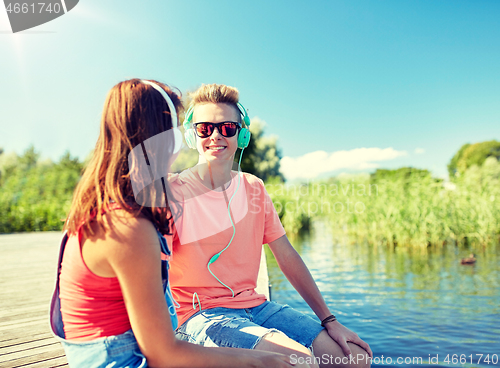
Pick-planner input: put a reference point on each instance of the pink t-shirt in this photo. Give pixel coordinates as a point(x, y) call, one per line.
point(204, 229)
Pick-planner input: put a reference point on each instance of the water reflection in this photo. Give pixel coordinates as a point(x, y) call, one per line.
point(404, 303)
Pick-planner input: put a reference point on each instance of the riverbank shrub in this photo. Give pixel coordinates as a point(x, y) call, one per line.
point(36, 195)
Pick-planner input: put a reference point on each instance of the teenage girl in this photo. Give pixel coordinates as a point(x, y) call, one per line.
point(112, 306)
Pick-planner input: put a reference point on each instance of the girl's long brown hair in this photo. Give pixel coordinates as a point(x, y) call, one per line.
point(133, 112)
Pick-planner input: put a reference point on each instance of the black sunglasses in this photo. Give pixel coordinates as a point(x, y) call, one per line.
point(226, 128)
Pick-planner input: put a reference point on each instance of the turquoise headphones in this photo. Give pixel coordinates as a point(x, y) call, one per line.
point(243, 135)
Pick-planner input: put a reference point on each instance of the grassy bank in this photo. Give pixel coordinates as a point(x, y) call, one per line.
point(397, 208)
point(411, 209)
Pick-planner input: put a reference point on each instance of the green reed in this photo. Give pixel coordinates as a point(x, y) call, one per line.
point(291, 207)
point(414, 210)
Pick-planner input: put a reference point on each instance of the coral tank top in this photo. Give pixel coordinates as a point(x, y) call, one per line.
point(91, 306)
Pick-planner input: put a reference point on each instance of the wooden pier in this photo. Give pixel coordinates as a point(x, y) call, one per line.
point(27, 275)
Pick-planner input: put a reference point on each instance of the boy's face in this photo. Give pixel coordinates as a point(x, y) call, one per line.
point(216, 146)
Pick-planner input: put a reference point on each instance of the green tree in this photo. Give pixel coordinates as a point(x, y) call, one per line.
point(477, 153)
point(29, 159)
point(8, 162)
point(473, 154)
point(452, 166)
point(36, 196)
point(70, 163)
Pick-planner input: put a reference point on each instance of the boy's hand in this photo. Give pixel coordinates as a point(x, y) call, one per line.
point(342, 335)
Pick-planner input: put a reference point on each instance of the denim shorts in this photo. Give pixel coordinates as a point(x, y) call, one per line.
point(244, 328)
point(112, 351)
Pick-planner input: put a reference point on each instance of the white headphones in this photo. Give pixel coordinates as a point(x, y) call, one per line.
point(148, 167)
point(173, 115)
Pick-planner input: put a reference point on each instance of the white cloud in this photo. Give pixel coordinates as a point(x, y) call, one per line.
point(419, 151)
point(315, 163)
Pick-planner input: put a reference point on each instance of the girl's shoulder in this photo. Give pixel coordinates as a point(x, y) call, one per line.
point(122, 229)
point(123, 236)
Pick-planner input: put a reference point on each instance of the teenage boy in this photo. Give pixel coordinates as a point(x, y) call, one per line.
point(217, 244)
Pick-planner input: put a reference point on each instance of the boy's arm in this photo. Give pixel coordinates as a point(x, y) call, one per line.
point(298, 274)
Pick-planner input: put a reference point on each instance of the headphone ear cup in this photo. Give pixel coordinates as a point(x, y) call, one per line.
point(244, 138)
point(190, 138)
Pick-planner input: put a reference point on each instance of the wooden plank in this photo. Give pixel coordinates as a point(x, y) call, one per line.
point(51, 363)
point(13, 354)
point(7, 305)
point(8, 312)
point(23, 339)
point(34, 357)
point(23, 322)
point(41, 313)
point(27, 275)
point(28, 345)
point(15, 332)
point(29, 294)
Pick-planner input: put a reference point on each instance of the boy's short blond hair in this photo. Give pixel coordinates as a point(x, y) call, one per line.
point(216, 93)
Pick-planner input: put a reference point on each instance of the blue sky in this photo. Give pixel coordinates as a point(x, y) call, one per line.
point(345, 85)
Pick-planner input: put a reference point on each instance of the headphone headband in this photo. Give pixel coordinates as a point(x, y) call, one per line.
point(171, 107)
point(173, 114)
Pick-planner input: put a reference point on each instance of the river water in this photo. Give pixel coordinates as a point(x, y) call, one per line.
point(415, 309)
